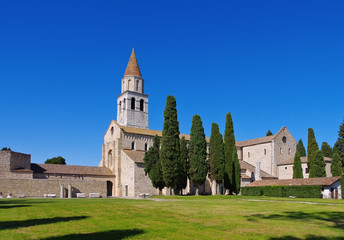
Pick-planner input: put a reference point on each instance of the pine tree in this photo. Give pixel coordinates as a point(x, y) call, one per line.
point(297, 168)
point(184, 165)
point(229, 145)
point(153, 164)
point(301, 148)
point(170, 145)
point(339, 145)
point(318, 165)
point(236, 172)
point(216, 156)
point(198, 153)
point(269, 133)
point(326, 150)
point(336, 165)
point(311, 147)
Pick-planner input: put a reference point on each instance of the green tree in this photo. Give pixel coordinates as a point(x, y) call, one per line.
point(184, 165)
point(301, 148)
point(311, 147)
point(56, 160)
point(216, 156)
point(326, 150)
point(6, 149)
point(297, 168)
point(339, 145)
point(269, 133)
point(318, 165)
point(236, 172)
point(198, 153)
point(229, 145)
point(170, 144)
point(336, 165)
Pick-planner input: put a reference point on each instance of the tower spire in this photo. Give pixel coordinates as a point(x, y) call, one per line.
point(133, 66)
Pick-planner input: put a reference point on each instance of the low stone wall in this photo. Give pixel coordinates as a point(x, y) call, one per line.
point(39, 187)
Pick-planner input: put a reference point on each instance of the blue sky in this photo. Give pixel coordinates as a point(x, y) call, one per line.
point(269, 63)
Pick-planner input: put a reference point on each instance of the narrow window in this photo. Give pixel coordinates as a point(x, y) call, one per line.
point(289, 151)
point(110, 158)
point(141, 104)
point(248, 154)
point(132, 103)
point(280, 150)
point(129, 84)
point(111, 130)
point(285, 168)
point(126, 190)
point(137, 85)
point(146, 146)
point(132, 145)
point(264, 151)
point(120, 106)
point(124, 104)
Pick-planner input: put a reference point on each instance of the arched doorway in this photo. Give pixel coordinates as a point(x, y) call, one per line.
point(109, 186)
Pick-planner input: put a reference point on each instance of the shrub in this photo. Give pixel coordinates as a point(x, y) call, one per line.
point(283, 191)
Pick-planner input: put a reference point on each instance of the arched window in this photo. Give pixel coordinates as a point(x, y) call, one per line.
point(137, 85)
point(146, 146)
point(129, 84)
point(110, 158)
point(132, 145)
point(120, 106)
point(124, 104)
point(132, 103)
point(111, 130)
point(142, 102)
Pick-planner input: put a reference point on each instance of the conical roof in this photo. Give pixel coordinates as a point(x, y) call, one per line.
point(133, 66)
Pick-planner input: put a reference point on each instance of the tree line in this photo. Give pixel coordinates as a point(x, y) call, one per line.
point(172, 160)
point(315, 156)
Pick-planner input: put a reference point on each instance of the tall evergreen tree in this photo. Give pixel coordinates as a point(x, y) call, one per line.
point(336, 165)
point(339, 145)
point(198, 153)
point(297, 168)
point(184, 165)
point(318, 165)
point(216, 156)
point(170, 145)
point(326, 150)
point(269, 133)
point(229, 145)
point(311, 147)
point(153, 164)
point(236, 172)
point(301, 148)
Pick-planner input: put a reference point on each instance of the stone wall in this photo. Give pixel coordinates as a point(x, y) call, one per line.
point(127, 177)
point(13, 160)
point(39, 187)
point(259, 153)
point(143, 183)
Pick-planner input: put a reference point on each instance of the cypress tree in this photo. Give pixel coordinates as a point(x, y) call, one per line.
point(269, 133)
point(153, 164)
point(336, 165)
point(170, 145)
point(198, 153)
point(236, 172)
point(297, 168)
point(311, 147)
point(326, 150)
point(339, 145)
point(301, 148)
point(216, 156)
point(184, 165)
point(229, 145)
point(318, 165)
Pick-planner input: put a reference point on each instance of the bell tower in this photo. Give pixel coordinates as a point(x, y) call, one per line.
point(132, 104)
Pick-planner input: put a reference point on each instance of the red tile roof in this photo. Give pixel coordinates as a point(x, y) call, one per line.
point(303, 160)
point(70, 169)
point(324, 181)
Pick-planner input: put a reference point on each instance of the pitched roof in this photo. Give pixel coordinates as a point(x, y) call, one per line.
point(150, 132)
point(324, 181)
point(70, 169)
point(251, 168)
point(303, 160)
point(133, 66)
point(136, 156)
point(258, 140)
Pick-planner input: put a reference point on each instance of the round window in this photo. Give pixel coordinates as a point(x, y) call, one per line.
point(284, 139)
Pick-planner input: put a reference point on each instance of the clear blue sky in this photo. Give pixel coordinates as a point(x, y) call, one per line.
point(269, 63)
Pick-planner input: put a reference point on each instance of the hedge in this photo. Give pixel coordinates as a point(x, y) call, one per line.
point(283, 191)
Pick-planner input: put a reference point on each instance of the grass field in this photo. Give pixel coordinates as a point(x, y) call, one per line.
point(202, 217)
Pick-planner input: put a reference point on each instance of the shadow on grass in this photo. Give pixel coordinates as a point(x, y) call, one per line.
point(14, 206)
point(336, 219)
point(308, 237)
point(34, 222)
point(113, 235)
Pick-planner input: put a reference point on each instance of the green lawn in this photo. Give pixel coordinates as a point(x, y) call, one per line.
point(203, 217)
